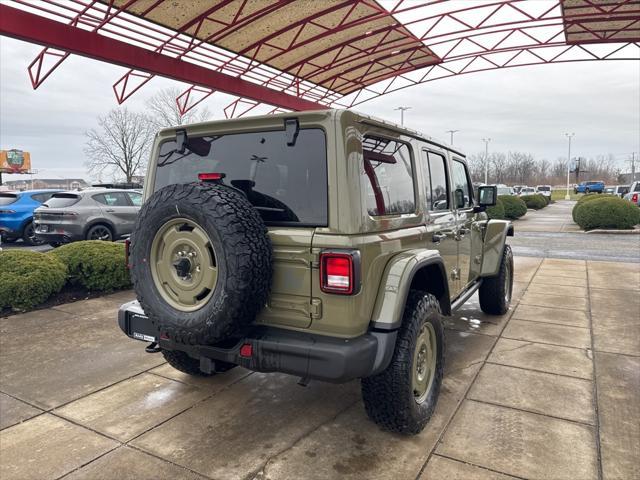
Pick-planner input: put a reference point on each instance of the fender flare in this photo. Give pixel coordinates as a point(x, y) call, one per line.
point(396, 282)
point(495, 236)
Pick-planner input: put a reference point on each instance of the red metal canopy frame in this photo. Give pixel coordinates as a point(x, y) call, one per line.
point(298, 55)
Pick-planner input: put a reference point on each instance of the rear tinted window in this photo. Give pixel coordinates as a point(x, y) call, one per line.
point(286, 184)
point(61, 200)
point(388, 177)
point(7, 198)
point(544, 189)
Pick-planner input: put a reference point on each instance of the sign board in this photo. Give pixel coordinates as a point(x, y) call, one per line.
point(14, 161)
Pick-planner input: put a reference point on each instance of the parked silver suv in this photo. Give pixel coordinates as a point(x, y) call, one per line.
point(93, 214)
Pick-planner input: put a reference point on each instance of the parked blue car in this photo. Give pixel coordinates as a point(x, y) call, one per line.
point(589, 187)
point(16, 214)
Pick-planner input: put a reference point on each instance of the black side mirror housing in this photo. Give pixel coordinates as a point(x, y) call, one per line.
point(487, 196)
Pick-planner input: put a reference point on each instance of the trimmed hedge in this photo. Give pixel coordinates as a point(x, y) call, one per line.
point(514, 207)
point(608, 212)
point(29, 278)
point(588, 197)
point(535, 201)
point(497, 211)
point(94, 264)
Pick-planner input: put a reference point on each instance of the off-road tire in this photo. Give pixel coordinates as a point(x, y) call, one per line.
point(495, 292)
point(388, 396)
point(243, 253)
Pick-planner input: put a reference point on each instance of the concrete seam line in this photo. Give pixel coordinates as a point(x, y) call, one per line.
point(475, 377)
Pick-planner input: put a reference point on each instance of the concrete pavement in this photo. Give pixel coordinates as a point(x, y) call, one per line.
point(551, 233)
point(549, 390)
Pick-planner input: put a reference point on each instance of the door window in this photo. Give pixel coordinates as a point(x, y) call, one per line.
point(461, 183)
point(136, 198)
point(112, 199)
point(437, 188)
point(387, 177)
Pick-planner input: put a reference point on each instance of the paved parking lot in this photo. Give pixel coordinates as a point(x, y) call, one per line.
point(550, 390)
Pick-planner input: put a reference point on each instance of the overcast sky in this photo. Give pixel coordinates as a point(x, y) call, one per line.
point(525, 109)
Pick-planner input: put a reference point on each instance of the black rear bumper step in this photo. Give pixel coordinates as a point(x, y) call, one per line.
point(330, 359)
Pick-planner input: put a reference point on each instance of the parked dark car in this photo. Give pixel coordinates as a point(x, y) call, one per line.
point(16, 214)
point(93, 214)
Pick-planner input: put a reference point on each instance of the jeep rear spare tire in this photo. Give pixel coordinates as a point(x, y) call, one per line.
point(200, 262)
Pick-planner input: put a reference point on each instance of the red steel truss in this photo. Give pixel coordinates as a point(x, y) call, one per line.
point(298, 54)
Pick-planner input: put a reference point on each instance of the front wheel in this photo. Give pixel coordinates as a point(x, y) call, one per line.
point(586, 190)
point(495, 292)
point(403, 397)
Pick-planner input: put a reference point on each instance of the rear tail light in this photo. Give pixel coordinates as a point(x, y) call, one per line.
point(634, 198)
point(339, 272)
point(127, 248)
point(210, 177)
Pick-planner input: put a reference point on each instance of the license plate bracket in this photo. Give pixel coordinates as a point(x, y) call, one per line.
point(140, 327)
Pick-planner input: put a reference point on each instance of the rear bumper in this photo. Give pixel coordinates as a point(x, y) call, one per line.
point(302, 354)
point(59, 233)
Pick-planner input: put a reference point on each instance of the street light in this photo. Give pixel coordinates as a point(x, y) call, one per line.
point(569, 136)
point(402, 109)
point(452, 132)
point(486, 159)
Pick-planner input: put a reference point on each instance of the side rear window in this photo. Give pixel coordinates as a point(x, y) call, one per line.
point(62, 200)
point(136, 198)
point(462, 183)
point(438, 190)
point(7, 198)
point(112, 199)
point(42, 197)
point(387, 176)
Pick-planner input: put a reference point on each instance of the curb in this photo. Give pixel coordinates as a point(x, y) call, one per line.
point(635, 231)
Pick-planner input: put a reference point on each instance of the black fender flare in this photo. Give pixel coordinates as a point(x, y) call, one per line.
point(399, 275)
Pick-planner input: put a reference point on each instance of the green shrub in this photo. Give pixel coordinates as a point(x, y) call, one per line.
point(608, 212)
point(588, 197)
point(536, 201)
point(29, 278)
point(94, 264)
point(514, 207)
point(497, 211)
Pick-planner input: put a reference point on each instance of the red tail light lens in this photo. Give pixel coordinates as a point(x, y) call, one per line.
point(634, 198)
point(338, 273)
point(210, 177)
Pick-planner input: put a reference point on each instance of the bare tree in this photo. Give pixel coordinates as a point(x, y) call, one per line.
point(499, 163)
point(120, 145)
point(163, 110)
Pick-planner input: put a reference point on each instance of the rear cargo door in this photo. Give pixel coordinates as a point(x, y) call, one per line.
point(290, 300)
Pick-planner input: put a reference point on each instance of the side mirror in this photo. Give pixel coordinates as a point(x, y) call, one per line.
point(487, 196)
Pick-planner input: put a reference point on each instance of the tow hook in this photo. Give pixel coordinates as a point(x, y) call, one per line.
point(152, 348)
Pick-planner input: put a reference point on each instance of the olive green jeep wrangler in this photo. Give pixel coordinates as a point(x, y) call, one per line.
point(327, 245)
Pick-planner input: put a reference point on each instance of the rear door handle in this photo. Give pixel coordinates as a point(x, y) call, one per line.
point(109, 210)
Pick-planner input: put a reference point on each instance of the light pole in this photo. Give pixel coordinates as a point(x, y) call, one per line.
point(452, 132)
point(402, 109)
point(569, 136)
point(486, 159)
